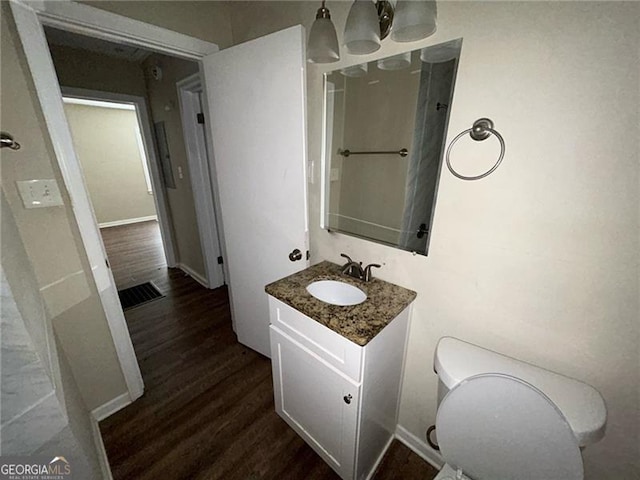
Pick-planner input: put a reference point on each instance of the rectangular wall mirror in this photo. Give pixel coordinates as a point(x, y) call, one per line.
point(385, 128)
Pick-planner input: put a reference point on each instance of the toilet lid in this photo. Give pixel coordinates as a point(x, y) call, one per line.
point(498, 427)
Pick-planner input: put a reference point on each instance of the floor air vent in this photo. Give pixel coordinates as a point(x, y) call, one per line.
point(138, 295)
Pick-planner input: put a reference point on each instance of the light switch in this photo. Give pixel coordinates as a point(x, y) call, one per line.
point(39, 193)
point(335, 174)
point(180, 175)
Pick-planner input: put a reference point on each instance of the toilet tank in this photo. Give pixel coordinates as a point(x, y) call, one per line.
point(581, 404)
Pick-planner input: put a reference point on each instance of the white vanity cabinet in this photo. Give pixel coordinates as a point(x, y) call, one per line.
point(342, 398)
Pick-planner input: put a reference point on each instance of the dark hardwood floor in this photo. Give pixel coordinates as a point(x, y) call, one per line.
point(135, 253)
point(207, 411)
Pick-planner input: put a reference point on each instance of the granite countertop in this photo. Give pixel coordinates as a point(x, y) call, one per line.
point(358, 323)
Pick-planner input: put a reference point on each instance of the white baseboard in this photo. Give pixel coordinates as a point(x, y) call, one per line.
point(193, 274)
point(419, 447)
point(102, 453)
point(128, 221)
point(379, 460)
point(111, 407)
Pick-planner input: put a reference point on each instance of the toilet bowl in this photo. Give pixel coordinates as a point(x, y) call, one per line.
point(502, 419)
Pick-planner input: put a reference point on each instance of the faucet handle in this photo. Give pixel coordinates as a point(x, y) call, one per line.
point(367, 271)
point(347, 257)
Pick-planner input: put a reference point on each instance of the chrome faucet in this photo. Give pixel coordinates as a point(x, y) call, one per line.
point(367, 271)
point(355, 270)
point(351, 268)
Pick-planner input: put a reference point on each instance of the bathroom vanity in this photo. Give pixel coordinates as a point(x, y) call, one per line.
point(337, 370)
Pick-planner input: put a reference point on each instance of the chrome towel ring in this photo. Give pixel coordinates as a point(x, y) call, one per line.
point(6, 140)
point(481, 130)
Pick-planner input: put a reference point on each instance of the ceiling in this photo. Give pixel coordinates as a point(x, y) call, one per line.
point(82, 42)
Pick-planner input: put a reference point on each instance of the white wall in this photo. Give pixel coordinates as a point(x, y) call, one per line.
point(540, 260)
point(107, 141)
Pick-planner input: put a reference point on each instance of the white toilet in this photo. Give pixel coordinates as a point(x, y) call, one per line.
point(502, 419)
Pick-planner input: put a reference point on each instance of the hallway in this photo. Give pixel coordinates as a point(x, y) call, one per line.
point(207, 411)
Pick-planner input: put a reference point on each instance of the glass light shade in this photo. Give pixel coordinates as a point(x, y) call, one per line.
point(396, 62)
point(355, 70)
point(362, 31)
point(414, 20)
point(440, 53)
point(323, 42)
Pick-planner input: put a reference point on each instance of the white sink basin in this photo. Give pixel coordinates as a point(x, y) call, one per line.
point(336, 293)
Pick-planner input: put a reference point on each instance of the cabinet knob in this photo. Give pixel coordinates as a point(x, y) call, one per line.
point(295, 255)
point(347, 399)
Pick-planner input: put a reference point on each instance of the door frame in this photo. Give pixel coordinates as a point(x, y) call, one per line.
point(195, 140)
point(30, 17)
point(159, 190)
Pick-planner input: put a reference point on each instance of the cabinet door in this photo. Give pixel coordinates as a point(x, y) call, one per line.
point(317, 401)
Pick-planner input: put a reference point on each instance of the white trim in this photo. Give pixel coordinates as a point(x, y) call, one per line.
point(149, 157)
point(328, 108)
point(189, 90)
point(103, 459)
point(88, 96)
point(193, 274)
point(213, 178)
point(128, 221)
point(87, 20)
point(380, 458)
point(419, 447)
point(95, 103)
point(142, 151)
point(112, 406)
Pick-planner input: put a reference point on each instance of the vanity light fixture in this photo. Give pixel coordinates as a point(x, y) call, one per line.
point(440, 53)
point(323, 40)
point(368, 23)
point(414, 20)
point(355, 71)
point(395, 62)
point(362, 31)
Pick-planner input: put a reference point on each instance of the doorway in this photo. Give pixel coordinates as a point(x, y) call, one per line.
point(109, 142)
point(263, 221)
point(30, 21)
point(190, 91)
point(157, 184)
